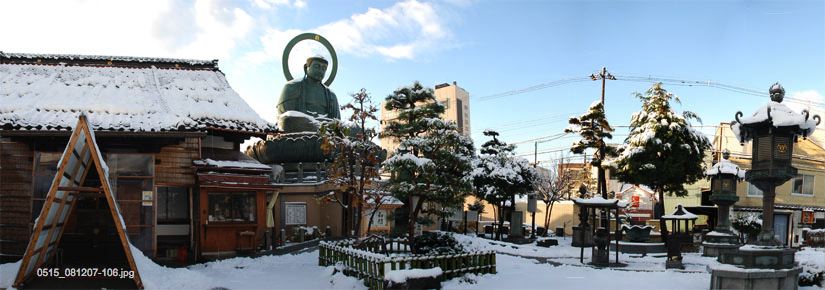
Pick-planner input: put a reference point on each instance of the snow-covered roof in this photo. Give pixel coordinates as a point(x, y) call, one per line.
point(76, 57)
point(680, 214)
point(48, 92)
point(725, 166)
point(599, 201)
point(247, 164)
point(386, 200)
point(778, 115)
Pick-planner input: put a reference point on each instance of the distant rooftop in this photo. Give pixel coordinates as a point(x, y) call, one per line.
point(105, 60)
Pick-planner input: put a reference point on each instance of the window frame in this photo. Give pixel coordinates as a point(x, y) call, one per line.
point(158, 191)
point(803, 177)
point(233, 194)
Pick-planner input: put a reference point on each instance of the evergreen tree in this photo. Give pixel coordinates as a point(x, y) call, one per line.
point(593, 128)
point(433, 161)
point(357, 159)
point(499, 175)
point(662, 151)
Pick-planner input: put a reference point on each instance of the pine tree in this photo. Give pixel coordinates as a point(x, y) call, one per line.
point(357, 159)
point(499, 175)
point(662, 151)
point(433, 161)
point(593, 128)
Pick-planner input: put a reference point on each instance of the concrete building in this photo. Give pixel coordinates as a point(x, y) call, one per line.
point(456, 101)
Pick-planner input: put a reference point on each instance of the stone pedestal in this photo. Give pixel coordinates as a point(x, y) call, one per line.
point(289, 148)
point(732, 277)
point(717, 242)
point(759, 257)
point(756, 267)
point(675, 263)
point(710, 249)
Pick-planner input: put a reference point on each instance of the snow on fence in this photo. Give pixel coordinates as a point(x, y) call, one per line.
point(374, 262)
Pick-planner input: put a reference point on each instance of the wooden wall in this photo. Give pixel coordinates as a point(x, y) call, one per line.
point(16, 161)
point(173, 164)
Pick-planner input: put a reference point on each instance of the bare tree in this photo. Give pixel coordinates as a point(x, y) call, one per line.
point(376, 197)
point(554, 184)
point(357, 159)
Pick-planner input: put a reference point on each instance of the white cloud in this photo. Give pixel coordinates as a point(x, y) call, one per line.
point(269, 4)
point(207, 29)
point(810, 100)
point(402, 31)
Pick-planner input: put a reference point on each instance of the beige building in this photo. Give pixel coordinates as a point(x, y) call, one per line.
point(456, 101)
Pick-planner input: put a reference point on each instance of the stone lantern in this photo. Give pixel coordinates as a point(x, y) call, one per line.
point(723, 176)
point(681, 221)
point(774, 129)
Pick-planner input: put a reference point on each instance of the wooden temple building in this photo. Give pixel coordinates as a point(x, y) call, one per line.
point(170, 132)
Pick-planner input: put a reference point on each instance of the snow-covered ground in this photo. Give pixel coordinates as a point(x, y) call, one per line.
point(556, 267)
point(300, 271)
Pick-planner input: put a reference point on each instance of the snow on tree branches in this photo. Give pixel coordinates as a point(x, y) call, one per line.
point(499, 176)
point(662, 151)
point(593, 128)
point(433, 161)
point(357, 159)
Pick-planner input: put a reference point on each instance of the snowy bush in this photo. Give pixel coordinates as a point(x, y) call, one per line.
point(431, 243)
point(748, 224)
point(812, 262)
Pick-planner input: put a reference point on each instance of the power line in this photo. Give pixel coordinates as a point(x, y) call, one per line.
point(535, 88)
point(650, 78)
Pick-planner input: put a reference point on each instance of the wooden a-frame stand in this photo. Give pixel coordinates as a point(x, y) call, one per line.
point(80, 156)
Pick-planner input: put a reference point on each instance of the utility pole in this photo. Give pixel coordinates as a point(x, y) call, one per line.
point(601, 184)
point(602, 75)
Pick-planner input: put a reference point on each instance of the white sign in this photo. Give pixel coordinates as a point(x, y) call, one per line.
point(295, 213)
point(147, 198)
point(380, 218)
point(472, 215)
point(456, 215)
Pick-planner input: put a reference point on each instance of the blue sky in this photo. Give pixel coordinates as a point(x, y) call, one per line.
point(488, 47)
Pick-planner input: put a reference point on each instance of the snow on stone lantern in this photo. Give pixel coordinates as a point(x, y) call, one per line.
point(681, 221)
point(774, 129)
point(724, 175)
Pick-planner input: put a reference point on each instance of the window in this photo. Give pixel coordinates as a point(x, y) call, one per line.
point(753, 190)
point(44, 170)
point(173, 205)
point(803, 185)
point(232, 207)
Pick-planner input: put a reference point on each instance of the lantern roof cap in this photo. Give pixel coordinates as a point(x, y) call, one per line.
point(680, 214)
point(777, 115)
point(724, 166)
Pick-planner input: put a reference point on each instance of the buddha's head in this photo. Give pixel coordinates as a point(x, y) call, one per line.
point(315, 68)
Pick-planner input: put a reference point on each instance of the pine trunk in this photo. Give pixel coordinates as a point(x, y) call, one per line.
point(661, 211)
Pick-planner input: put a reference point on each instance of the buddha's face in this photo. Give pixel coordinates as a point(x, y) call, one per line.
point(316, 70)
